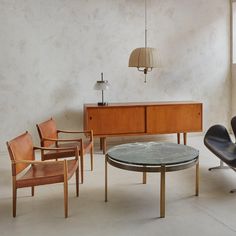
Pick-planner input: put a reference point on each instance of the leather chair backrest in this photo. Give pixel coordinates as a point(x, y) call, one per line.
point(20, 148)
point(233, 124)
point(47, 129)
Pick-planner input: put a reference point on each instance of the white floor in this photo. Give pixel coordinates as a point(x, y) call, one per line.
point(132, 209)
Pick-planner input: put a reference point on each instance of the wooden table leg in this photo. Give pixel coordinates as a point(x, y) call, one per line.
point(185, 138)
point(178, 138)
point(197, 179)
point(162, 194)
point(105, 178)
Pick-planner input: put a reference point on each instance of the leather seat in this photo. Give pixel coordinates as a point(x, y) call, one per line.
point(48, 173)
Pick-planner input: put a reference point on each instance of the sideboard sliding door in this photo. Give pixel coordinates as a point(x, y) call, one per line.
point(174, 118)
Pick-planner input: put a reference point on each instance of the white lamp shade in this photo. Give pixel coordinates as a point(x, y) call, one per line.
point(102, 85)
point(144, 58)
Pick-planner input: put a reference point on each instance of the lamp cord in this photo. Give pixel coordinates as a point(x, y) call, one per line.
point(145, 15)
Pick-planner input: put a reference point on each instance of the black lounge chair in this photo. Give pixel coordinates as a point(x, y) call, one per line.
point(218, 141)
point(233, 124)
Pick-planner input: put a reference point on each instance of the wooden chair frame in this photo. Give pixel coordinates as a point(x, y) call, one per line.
point(30, 163)
point(88, 133)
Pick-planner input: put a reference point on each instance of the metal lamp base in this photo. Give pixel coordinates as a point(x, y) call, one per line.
point(102, 103)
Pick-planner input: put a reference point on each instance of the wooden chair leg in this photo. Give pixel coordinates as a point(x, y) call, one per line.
point(82, 168)
point(14, 196)
point(32, 191)
point(91, 157)
point(77, 172)
point(65, 189)
point(81, 152)
point(77, 181)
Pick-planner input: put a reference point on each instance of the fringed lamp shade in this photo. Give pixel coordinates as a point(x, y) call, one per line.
point(144, 59)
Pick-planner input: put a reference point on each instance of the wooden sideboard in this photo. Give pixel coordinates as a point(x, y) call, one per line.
point(120, 119)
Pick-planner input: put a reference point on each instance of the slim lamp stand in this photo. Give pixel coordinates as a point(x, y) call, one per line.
point(102, 85)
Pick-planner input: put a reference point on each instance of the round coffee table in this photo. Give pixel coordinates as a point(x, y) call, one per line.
point(153, 157)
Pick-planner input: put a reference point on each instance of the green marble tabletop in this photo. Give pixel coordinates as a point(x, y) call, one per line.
point(152, 153)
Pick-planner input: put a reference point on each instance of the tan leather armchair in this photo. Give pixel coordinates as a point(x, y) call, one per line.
point(49, 137)
point(27, 172)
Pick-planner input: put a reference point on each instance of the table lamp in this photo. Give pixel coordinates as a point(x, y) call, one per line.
point(102, 85)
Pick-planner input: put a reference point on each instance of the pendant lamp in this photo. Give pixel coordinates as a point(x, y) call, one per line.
point(144, 58)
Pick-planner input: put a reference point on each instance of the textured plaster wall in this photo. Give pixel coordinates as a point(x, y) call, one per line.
point(52, 52)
